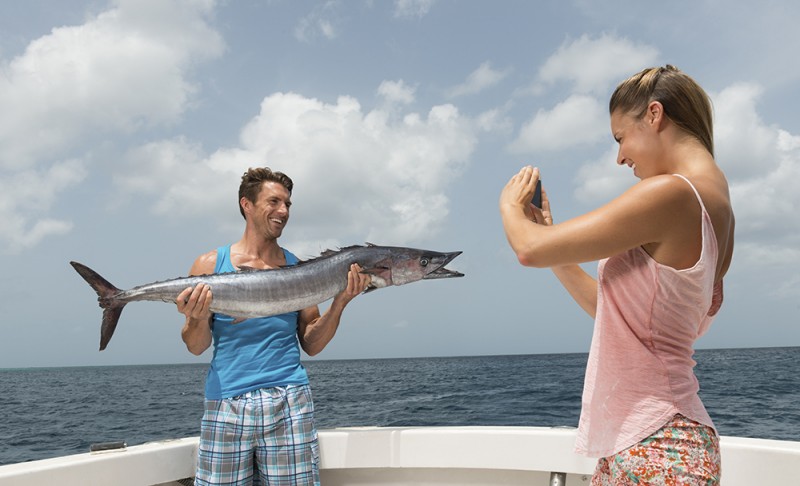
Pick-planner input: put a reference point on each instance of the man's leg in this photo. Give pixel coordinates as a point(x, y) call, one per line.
point(288, 450)
point(225, 455)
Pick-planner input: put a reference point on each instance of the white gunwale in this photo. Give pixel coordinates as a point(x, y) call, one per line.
point(473, 455)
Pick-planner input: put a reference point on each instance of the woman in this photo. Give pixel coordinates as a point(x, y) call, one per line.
point(663, 247)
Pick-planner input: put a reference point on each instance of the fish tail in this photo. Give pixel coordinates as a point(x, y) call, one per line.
point(112, 308)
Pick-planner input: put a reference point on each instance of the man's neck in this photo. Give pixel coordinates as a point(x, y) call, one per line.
point(257, 253)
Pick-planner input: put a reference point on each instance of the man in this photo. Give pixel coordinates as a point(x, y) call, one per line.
point(258, 416)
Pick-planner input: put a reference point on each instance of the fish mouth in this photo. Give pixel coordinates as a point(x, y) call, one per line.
point(442, 272)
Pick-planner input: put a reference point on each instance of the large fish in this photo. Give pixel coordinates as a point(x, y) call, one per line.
point(260, 293)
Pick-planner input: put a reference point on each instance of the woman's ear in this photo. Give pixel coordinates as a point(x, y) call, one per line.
point(655, 114)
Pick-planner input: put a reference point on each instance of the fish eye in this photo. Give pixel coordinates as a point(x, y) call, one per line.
point(423, 261)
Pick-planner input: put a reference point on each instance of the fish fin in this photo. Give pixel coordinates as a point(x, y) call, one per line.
point(329, 253)
point(110, 320)
point(369, 289)
point(379, 275)
point(325, 253)
point(245, 268)
point(103, 287)
point(376, 270)
point(106, 292)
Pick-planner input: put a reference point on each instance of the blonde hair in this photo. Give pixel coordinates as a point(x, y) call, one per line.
point(684, 101)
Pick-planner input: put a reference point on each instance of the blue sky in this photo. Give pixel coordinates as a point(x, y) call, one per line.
point(126, 125)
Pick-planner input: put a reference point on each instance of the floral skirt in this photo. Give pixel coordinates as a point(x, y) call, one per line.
point(682, 453)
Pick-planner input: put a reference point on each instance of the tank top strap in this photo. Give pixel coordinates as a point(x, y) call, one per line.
point(697, 194)
point(223, 264)
point(708, 225)
point(291, 259)
point(709, 238)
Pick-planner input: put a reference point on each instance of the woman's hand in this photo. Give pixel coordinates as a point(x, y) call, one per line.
point(519, 193)
point(543, 216)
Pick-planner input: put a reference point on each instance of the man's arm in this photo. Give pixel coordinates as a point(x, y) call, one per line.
point(315, 331)
point(194, 304)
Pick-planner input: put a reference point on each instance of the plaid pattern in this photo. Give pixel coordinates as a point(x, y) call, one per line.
point(270, 431)
point(682, 453)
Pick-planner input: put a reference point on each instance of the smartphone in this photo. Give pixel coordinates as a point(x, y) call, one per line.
point(537, 195)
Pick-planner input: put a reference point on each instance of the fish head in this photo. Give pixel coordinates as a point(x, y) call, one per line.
point(411, 265)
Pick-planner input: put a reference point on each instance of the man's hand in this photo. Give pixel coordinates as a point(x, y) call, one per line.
point(194, 303)
point(357, 282)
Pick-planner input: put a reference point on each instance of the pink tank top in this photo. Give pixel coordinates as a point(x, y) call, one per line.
point(640, 371)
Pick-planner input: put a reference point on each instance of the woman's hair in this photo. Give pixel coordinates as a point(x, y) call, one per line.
point(684, 101)
point(253, 180)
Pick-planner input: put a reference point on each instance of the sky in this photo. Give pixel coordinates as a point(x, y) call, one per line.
point(125, 127)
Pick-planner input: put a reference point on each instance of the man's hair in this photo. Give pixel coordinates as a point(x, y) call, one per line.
point(684, 101)
point(253, 180)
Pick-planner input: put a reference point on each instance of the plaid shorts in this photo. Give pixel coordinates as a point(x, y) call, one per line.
point(682, 453)
point(268, 431)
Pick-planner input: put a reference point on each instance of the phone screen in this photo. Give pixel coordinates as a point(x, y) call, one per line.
point(537, 195)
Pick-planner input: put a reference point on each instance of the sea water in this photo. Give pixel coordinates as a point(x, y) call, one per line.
point(47, 412)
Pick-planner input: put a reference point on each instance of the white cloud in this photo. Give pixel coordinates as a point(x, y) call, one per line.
point(744, 145)
point(412, 8)
point(396, 92)
point(26, 197)
point(166, 172)
point(480, 79)
point(123, 70)
point(766, 204)
point(495, 120)
point(602, 180)
point(578, 120)
point(762, 163)
point(592, 65)
point(322, 22)
point(358, 176)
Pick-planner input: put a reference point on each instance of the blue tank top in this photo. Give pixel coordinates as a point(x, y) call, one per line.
point(262, 352)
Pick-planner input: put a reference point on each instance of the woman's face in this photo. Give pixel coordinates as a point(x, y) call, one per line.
point(637, 145)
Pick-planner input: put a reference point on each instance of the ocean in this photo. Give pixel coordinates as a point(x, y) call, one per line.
point(47, 412)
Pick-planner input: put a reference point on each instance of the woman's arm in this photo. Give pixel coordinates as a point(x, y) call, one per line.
point(580, 285)
point(654, 211)
point(658, 212)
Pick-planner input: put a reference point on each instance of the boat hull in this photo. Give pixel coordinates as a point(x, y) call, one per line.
point(423, 456)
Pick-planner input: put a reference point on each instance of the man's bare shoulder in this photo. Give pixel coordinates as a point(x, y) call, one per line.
point(204, 264)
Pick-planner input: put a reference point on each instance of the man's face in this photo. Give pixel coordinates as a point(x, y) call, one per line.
point(270, 213)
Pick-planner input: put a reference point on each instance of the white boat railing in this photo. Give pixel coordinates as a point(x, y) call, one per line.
point(407, 455)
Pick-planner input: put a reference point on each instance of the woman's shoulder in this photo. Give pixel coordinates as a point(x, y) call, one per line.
point(712, 188)
point(663, 190)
